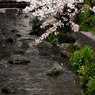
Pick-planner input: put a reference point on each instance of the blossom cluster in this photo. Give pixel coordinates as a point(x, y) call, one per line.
point(48, 9)
point(93, 9)
point(46, 34)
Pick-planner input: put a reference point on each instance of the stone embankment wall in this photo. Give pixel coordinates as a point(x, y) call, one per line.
point(7, 0)
point(85, 38)
point(13, 4)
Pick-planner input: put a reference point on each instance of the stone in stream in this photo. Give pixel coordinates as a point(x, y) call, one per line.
point(11, 39)
point(14, 31)
point(18, 59)
point(56, 69)
point(32, 51)
point(18, 35)
point(10, 90)
point(25, 45)
point(45, 48)
point(19, 51)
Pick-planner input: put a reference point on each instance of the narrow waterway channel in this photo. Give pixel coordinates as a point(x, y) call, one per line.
point(31, 78)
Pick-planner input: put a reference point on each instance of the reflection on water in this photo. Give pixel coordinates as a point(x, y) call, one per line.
point(32, 77)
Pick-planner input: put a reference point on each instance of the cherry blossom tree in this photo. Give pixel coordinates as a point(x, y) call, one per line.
point(48, 9)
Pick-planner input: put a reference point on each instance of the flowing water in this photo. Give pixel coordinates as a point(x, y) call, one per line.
point(32, 78)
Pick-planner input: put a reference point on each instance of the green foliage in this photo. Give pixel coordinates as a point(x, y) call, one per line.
point(52, 39)
point(90, 25)
point(92, 69)
point(93, 19)
point(87, 2)
point(91, 86)
point(86, 14)
point(72, 48)
point(61, 37)
point(83, 57)
point(84, 81)
point(83, 70)
point(86, 28)
point(86, 72)
point(92, 30)
point(82, 23)
point(83, 61)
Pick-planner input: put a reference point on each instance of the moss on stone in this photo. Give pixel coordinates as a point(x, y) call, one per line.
point(56, 69)
point(18, 59)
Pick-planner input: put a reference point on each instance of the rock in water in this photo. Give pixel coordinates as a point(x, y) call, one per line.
point(14, 31)
point(25, 45)
point(18, 59)
point(11, 39)
point(56, 69)
point(32, 51)
point(10, 90)
point(45, 48)
point(18, 35)
point(18, 51)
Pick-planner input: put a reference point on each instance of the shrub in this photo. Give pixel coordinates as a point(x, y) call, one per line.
point(83, 61)
point(91, 86)
point(93, 19)
point(83, 57)
point(87, 28)
point(84, 17)
point(86, 73)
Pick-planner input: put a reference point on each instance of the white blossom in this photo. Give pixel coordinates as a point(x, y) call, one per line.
point(56, 33)
point(93, 9)
point(75, 27)
point(48, 10)
point(81, 1)
point(71, 5)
